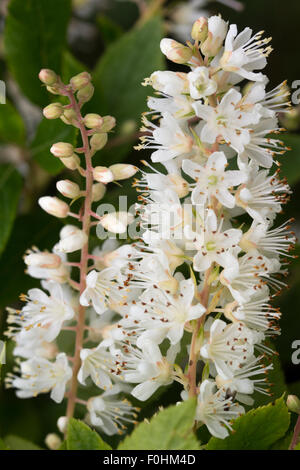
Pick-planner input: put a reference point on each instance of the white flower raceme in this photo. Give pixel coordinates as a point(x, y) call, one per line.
point(216, 410)
point(39, 375)
point(200, 83)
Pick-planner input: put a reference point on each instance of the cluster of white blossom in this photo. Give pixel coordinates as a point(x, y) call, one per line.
point(205, 270)
point(189, 301)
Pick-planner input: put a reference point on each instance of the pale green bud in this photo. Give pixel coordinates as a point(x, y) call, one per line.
point(293, 404)
point(53, 111)
point(122, 171)
point(200, 29)
point(102, 174)
point(86, 93)
point(69, 116)
point(62, 150)
point(80, 81)
point(109, 123)
point(54, 90)
point(71, 162)
point(98, 191)
point(68, 188)
point(48, 77)
point(98, 141)
point(93, 121)
point(53, 441)
point(175, 51)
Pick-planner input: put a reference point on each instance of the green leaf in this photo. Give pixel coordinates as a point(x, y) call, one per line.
point(10, 189)
point(297, 447)
point(170, 429)
point(81, 437)
point(284, 443)
point(290, 162)
point(34, 38)
point(2, 445)
point(118, 76)
point(109, 30)
point(12, 128)
point(256, 430)
point(48, 133)
point(18, 443)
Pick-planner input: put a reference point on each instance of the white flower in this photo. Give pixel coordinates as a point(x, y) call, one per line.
point(246, 380)
point(212, 244)
point(71, 239)
point(39, 375)
point(212, 179)
point(169, 83)
point(227, 120)
point(46, 312)
point(149, 369)
point(109, 413)
point(217, 30)
point(102, 288)
point(97, 364)
point(243, 53)
point(263, 195)
point(169, 139)
point(216, 410)
point(256, 314)
point(165, 315)
point(39, 271)
point(200, 83)
point(227, 346)
point(267, 241)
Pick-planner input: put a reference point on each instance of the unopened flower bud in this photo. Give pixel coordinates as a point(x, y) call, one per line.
point(69, 116)
point(109, 123)
point(293, 404)
point(217, 30)
point(200, 29)
point(98, 141)
point(116, 222)
point(122, 171)
point(102, 174)
point(62, 150)
point(54, 206)
point(48, 77)
point(68, 189)
point(93, 121)
point(62, 424)
point(72, 239)
point(71, 162)
point(175, 51)
point(86, 93)
point(43, 260)
point(55, 90)
point(53, 111)
point(80, 81)
point(98, 191)
point(53, 441)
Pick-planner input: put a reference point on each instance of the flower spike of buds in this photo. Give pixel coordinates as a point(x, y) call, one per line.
point(61, 302)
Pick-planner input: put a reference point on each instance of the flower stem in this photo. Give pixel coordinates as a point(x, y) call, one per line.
point(83, 265)
point(295, 435)
point(193, 360)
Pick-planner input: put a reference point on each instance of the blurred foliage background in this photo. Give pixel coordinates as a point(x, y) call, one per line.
point(118, 42)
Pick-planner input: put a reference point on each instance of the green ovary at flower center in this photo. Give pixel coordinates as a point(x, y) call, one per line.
point(222, 121)
point(210, 246)
point(212, 180)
